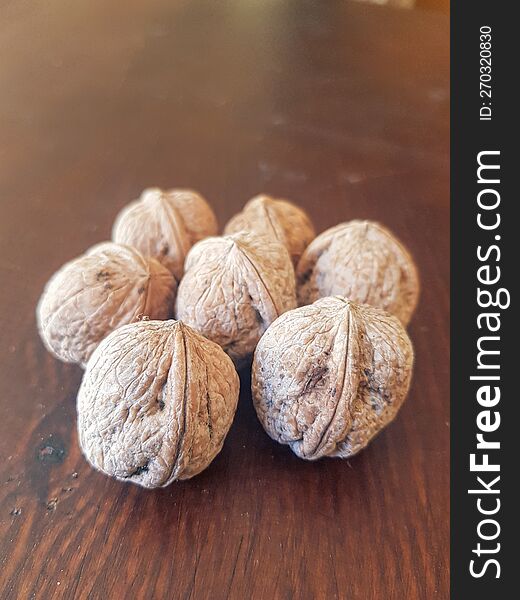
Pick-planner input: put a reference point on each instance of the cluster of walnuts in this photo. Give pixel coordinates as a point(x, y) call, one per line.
point(163, 315)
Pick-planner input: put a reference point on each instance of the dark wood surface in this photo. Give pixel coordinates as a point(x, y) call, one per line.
point(342, 107)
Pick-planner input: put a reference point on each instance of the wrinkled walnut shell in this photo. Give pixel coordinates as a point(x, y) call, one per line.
point(363, 261)
point(288, 223)
point(165, 224)
point(108, 286)
point(234, 287)
point(156, 403)
point(329, 376)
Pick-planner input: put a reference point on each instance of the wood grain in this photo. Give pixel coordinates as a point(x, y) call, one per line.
point(342, 107)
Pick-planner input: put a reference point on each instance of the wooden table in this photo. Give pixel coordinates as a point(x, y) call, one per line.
point(342, 107)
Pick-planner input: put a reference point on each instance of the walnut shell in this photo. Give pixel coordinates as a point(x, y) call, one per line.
point(363, 261)
point(156, 402)
point(165, 224)
point(234, 288)
point(288, 223)
point(329, 376)
point(108, 286)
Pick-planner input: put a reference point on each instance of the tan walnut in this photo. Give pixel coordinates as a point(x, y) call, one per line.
point(234, 287)
point(363, 261)
point(165, 224)
point(156, 402)
point(280, 218)
point(329, 376)
point(108, 286)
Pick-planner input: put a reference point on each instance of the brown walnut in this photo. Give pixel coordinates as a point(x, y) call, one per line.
point(108, 286)
point(156, 402)
point(165, 224)
point(288, 223)
point(363, 261)
point(234, 287)
point(329, 376)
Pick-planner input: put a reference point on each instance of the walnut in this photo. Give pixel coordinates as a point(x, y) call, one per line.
point(165, 224)
point(363, 261)
point(329, 376)
point(156, 402)
point(234, 288)
point(279, 218)
point(110, 285)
